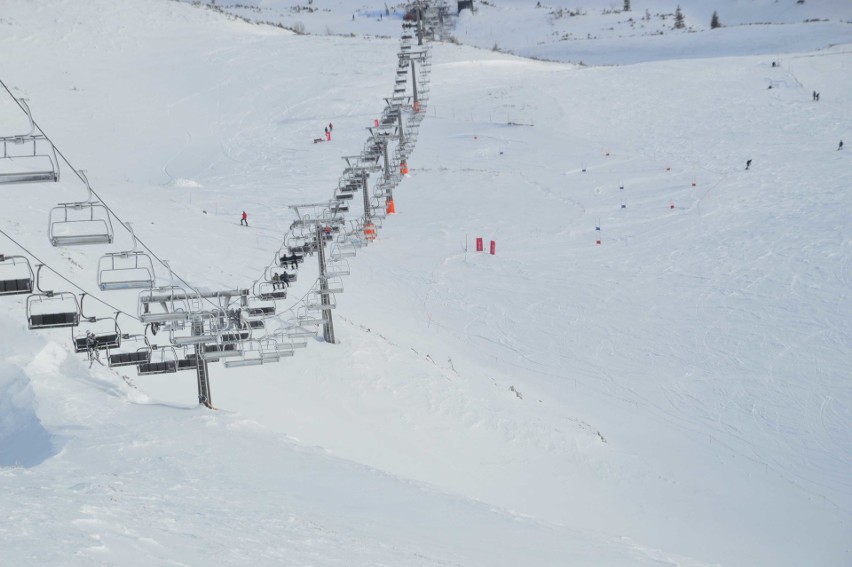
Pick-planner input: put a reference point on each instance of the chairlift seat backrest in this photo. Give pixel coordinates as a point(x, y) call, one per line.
point(130, 358)
point(188, 363)
point(51, 320)
point(260, 311)
point(101, 342)
point(166, 367)
point(15, 287)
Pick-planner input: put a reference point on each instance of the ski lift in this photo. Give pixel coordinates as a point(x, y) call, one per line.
point(334, 284)
point(16, 275)
point(256, 352)
point(337, 268)
point(131, 357)
point(132, 269)
point(242, 333)
point(189, 361)
point(307, 318)
point(83, 222)
point(48, 309)
point(286, 344)
point(257, 306)
point(104, 335)
point(273, 287)
point(315, 302)
point(162, 360)
point(28, 158)
point(296, 331)
point(342, 250)
point(219, 350)
point(166, 304)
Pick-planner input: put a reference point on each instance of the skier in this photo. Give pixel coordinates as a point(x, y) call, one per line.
point(244, 219)
point(840, 145)
point(92, 348)
point(748, 164)
point(330, 126)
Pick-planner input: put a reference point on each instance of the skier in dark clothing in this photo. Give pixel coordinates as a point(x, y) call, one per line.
point(244, 219)
point(840, 145)
point(748, 164)
point(92, 348)
point(330, 126)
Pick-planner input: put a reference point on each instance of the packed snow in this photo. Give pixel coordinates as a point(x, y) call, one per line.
point(652, 369)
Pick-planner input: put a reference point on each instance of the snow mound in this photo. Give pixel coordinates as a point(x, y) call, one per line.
point(185, 183)
point(24, 441)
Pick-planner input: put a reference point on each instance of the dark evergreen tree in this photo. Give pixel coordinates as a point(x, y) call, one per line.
point(714, 21)
point(678, 25)
point(626, 5)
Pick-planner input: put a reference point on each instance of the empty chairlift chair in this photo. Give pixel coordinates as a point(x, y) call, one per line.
point(130, 356)
point(83, 222)
point(136, 357)
point(28, 157)
point(49, 309)
point(320, 300)
point(333, 284)
point(126, 270)
point(164, 305)
point(16, 275)
point(163, 360)
point(256, 352)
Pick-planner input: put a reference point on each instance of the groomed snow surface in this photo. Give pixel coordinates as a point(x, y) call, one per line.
point(676, 395)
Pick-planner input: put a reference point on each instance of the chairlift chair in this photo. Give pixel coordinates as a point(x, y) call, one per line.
point(296, 331)
point(334, 284)
point(166, 304)
point(220, 350)
point(337, 268)
point(271, 286)
point(256, 352)
point(305, 319)
point(287, 344)
point(259, 307)
point(132, 269)
point(100, 333)
point(162, 360)
point(16, 275)
point(342, 250)
point(49, 309)
point(83, 222)
point(141, 355)
point(189, 361)
point(29, 157)
point(314, 301)
point(236, 335)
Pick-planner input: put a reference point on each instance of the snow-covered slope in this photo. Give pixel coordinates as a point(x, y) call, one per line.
point(677, 394)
